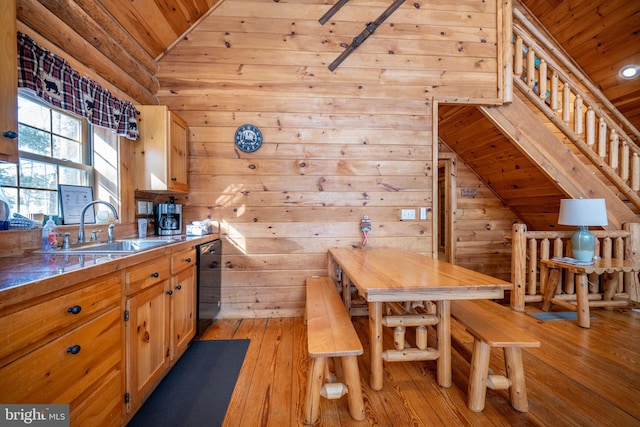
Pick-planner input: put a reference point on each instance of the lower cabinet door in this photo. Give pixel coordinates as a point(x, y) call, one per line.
point(183, 311)
point(148, 341)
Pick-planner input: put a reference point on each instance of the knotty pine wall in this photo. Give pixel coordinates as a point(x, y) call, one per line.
point(482, 223)
point(337, 145)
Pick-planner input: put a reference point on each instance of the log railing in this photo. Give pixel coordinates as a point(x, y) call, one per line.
point(575, 107)
point(529, 247)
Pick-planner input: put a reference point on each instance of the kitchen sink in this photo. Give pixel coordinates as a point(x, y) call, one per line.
point(129, 246)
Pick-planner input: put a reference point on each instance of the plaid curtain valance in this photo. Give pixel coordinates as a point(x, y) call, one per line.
point(55, 81)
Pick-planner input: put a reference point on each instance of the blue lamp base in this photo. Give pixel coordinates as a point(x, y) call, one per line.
point(583, 244)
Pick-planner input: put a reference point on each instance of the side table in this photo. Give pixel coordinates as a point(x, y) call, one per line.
point(582, 303)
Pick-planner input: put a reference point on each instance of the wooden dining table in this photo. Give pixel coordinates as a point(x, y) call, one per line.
point(384, 275)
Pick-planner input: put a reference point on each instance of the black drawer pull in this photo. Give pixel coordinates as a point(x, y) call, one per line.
point(169, 292)
point(11, 134)
point(74, 349)
point(188, 260)
point(74, 310)
point(179, 287)
point(156, 274)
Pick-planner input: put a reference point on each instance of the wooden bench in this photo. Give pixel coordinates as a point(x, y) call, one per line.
point(330, 333)
point(493, 325)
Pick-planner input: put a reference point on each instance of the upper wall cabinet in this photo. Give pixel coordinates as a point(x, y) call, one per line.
point(8, 83)
point(161, 153)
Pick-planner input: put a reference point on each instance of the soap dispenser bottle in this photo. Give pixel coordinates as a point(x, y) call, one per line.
point(49, 235)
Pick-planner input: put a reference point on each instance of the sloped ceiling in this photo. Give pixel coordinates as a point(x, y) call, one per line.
point(156, 25)
point(601, 35)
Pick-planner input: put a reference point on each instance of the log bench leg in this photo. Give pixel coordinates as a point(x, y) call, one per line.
point(515, 373)
point(316, 388)
point(478, 376)
point(352, 379)
point(312, 395)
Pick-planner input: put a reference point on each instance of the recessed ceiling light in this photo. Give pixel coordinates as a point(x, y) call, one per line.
point(629, 71)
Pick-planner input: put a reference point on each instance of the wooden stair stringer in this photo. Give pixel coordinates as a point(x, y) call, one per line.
point(516, 121)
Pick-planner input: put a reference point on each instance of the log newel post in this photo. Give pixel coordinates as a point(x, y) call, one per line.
point(518, 266)
point(632, 252)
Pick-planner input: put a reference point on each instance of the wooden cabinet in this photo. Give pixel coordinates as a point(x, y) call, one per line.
point(147, 336)
point(161, 154)
point(161, 310)
point(8, 83)
point(100, 343)
point(183, 302)
point(67, 349)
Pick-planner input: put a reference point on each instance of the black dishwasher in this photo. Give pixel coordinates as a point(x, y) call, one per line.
point(208, 261)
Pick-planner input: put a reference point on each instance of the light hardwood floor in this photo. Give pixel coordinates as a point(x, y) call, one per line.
point(578, 377)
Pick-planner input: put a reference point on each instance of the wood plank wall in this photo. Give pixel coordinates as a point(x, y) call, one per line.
point(482, 224)
point(337, 145)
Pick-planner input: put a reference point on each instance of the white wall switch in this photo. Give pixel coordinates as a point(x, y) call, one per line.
point(423, 214)
point(407, 214)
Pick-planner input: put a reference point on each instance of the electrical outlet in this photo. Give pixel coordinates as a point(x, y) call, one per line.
point(407, 214)
point(142, 208)
point(423, 214)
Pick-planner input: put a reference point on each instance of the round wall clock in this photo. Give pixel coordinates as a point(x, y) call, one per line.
point(248, 138)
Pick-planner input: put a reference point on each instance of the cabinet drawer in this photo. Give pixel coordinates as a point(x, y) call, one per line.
point(103, 407)
point(147, 274)
point(183, 260)
point(61, 370)
point(31, 327)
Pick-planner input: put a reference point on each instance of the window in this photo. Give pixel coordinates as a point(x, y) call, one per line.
point(57, 147)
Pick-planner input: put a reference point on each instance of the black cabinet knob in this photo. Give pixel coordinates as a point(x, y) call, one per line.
point(74, 310)
point(188, 260)
point(11, 134)
point(169, 292)
point(74, 349)
point(179, 287)
point(156, 274)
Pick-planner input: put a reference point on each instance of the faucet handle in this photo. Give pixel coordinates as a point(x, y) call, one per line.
point(94, 235)
point(111, 233)
point(66, 242)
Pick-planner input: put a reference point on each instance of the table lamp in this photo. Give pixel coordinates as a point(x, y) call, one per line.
point(583, 213)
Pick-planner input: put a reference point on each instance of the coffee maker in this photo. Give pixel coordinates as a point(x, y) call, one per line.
point(168, 218)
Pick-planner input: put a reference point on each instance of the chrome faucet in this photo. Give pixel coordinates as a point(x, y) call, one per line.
point(84, 209)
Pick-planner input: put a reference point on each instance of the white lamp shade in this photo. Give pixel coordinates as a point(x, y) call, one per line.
point(588, 212)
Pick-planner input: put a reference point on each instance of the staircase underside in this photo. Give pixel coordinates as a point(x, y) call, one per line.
point(527, 165)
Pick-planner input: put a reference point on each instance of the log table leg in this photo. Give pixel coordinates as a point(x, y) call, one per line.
point(346, 293)
point(551, 287)
point(610, 287)
point(582, 294)
point(443, 333)
point(375, 337)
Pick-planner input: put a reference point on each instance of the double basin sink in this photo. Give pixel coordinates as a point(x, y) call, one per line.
point(128, 246)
